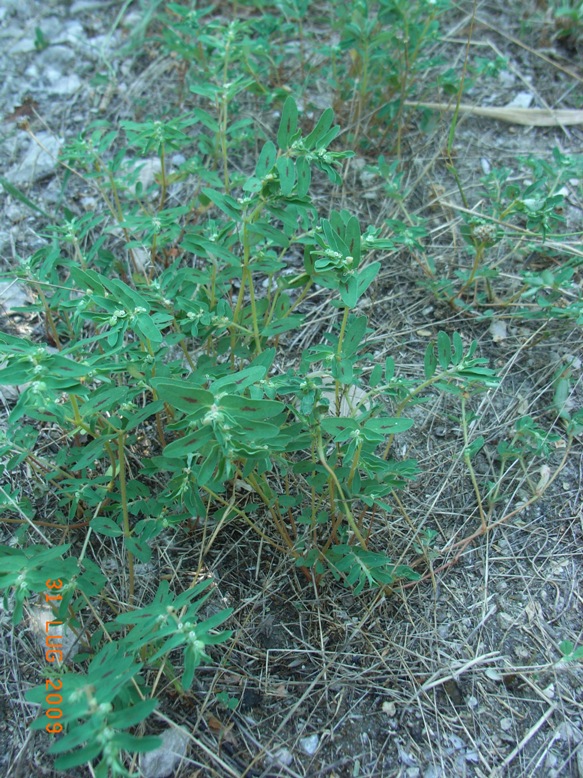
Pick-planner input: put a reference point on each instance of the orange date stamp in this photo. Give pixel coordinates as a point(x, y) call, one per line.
point(53, 653)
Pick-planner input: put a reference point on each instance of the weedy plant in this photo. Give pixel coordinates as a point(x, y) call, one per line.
point(178, 365)
point(165, 392)
point(521, 221)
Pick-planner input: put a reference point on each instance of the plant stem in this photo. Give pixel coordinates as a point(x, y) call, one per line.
point(124, 508)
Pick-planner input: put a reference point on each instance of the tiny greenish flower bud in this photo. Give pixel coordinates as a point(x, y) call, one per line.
point(106, 735)
point(485, 233)
point(213, 415)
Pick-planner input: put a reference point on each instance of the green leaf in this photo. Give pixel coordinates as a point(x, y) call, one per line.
point(146, 326)
point(349, 292)
point(443, 350)
point(129, 717)
point(226, 203)
point(278, 326)
point(353, 240)
point(354, 335)
point(182, 396)
point(139, 549)
point(429, 361)
point(76, 758)
point(323, 125)
point(474, 447)
point(239, 380)
point(304, 174)
point(366, 276)
point(287, 174)
point(458, 348)
point(388, 425)
point(266, 159)
point(376, 376)
point(18, 195)
point(251, 409)
point(106, 526)
point(288, 123)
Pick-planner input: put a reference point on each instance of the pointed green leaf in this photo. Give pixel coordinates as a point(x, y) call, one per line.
point(266, 159)
point(354, 335)
point(304, 174)
point(429, 361)
point(226, 203)
point(288, 123)
point(388, 425)
point(443, 350)
point(366, 276)
point(145, 325)
point(251, 409)
point(353, 239)
point(458, 348)
point(323, 125)
point(287, 174)
point(182, 396)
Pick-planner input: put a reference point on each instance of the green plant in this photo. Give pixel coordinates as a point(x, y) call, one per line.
point(522, 221)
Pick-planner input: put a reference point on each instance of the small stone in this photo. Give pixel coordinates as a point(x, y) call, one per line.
point(406, 758)
point(506, 724)
point(39, 161)
point(505, 620)
point(281, 756)
point(163, 760)
point(12, 295)
point(498, 330)
point(65, 85)
point(412, 772)
point(472, 702)
point(389, 708)
point(551, 760)
point(309, 744)
point(522, 100)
